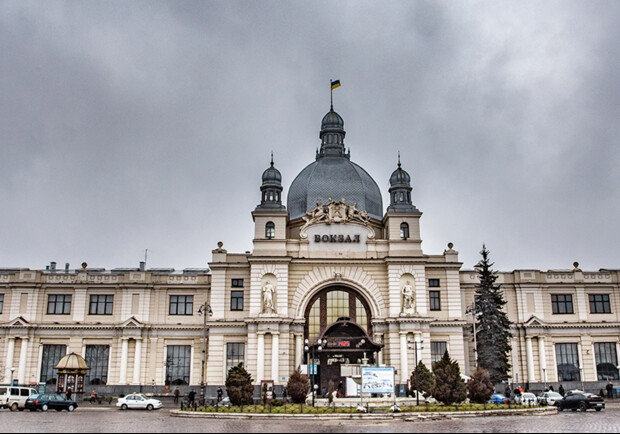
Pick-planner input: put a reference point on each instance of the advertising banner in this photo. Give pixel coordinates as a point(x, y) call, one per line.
point(377, 380)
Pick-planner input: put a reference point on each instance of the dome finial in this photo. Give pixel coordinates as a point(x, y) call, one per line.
point(399, 159)
point(271, 158)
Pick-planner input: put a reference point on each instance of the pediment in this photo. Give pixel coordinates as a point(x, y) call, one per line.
point(20, 321)
point(534, 321)
point(132, 323)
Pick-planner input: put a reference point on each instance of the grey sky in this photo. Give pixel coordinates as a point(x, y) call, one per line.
point(134, 125)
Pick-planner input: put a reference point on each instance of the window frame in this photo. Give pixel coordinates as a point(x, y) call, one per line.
point(595, 303)
point(405, 234)
point(108, 300)
point(233, 358)
point(177, 303)
point(270, 230)
point(235, 304)
point(555, 304)
point(236, 283)
point(1, 303)
point(431, 283)
point(59, 304)
point(434, 296)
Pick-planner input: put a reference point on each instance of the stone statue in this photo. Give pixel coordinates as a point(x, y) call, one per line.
point(268, 293)
point(408, 299)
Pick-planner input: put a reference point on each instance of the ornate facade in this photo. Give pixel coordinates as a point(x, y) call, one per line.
point(330, 267)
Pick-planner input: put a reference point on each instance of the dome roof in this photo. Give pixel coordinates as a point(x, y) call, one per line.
point(400, 177)
point(332, 120)
point(72, 362)
point(335, 178)
point(272, 175)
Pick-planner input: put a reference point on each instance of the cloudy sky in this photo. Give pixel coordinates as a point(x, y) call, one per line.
point(134, 125)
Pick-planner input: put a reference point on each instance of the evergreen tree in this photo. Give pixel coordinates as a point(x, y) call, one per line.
point(492, 323)
point(422, 380)
point(239, 386)
point(298, 387)
point(480, 387)
point(449, 386)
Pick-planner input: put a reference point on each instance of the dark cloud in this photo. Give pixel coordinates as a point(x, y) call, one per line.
point(134, 125)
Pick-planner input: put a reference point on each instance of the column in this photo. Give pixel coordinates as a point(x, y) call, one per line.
point(417, 338)
point(542, 355)
point(404, 365)
point(124, 352)
point(299, 351)
point(136, 362)
point(260, 358)
point(23, 359)
point(10, 355)
point(275, 361)
point(530, 360)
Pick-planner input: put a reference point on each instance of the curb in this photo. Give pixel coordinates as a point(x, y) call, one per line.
point(406, 417)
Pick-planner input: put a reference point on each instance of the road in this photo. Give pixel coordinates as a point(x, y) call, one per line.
point(102, 419)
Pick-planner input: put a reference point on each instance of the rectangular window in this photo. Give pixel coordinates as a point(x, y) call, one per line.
point(562, 304)
point(438, 349)
point(433, 283)
point(101, 305)
point(599, 303)
point(606, 361)
point(435, 300)
point(567, 356)
point(51, 356)
point(97, 357)
point(181, 305)
point(235, 354)
point(178, 361)
point(236, 300)
point(237, 283)
point(1, 303)
point(58, 304)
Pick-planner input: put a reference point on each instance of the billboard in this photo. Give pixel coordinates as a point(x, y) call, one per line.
point(377, 380)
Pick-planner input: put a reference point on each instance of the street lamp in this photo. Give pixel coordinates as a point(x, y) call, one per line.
point(413, 344)
point(204, 311)
point(311, 363)
point(473, 311)
point(12, 372)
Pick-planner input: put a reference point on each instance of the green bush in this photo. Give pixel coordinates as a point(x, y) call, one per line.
point(298, 387)
point(480, 387)
point(239, 386)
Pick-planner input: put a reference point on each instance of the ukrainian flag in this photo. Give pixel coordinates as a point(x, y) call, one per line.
point(335, 84)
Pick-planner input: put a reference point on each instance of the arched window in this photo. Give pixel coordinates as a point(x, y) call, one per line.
point(330, 305)
point(270, 230)
point(404, 230)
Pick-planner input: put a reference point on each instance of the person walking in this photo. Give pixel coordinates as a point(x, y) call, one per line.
point(220, 394)
point(93, 396)
point(190, 396)
point(610, 390)
point(561, 390)
point(68, 394)
point(176, 395)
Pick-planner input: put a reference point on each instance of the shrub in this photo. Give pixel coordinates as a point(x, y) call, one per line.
point(449, 386)
point(422, 379)
point(480, 387)
point(298, 387)
point(239, 386)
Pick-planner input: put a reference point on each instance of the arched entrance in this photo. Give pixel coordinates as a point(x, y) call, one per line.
point(338, 319)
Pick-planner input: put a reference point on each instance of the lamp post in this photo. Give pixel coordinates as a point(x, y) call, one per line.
point(472, 310)
point(310, 357)
point(204, 311)
point(413, 344)
point(12, 372)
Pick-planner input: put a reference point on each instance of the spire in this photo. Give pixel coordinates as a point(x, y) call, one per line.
point(332, 136)
point(400, 191)
point(271, 189)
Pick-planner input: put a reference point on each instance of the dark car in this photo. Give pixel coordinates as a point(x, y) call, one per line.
point(580, 401)
point(50, 402)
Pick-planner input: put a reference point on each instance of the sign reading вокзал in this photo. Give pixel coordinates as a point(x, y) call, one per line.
point(377, 380)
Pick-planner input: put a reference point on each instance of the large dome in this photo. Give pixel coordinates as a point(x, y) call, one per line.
point(333, 175)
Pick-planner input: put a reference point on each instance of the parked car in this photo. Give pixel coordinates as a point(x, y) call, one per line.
point(50, 402)
point(15, 397)
point(138, 402)
point(498, 398)
point(580, 401)
point(549, 398)
point(526, 398)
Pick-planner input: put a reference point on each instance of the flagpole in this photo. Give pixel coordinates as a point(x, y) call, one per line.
point(331, 90)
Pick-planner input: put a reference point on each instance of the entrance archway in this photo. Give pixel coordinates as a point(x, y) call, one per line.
point(339, 320)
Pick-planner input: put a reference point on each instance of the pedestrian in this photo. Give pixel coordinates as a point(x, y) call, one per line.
point(220, 394)
point(507, 392)
point(285, 394)
point(561, 390)
point(190, 396)
point(610, 390)
point(176, 395)
point(68, 394)
point(340, 390)
point(551, 388)
point(93, 396)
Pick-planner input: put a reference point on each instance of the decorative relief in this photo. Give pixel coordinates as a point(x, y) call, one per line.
point(335, 212)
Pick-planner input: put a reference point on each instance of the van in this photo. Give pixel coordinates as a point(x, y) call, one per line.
point(15, 397)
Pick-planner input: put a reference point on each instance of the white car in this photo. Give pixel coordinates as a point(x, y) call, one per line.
point(526, 399)
point(550, 398)
point(138, 402)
